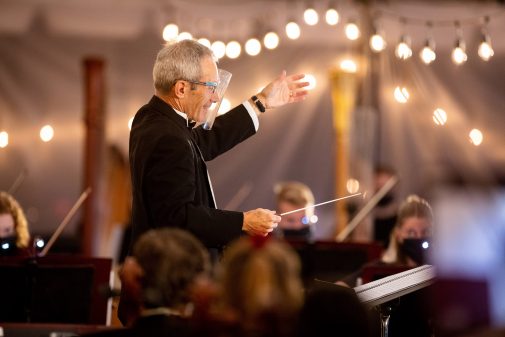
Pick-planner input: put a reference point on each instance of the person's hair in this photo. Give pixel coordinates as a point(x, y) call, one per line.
point(9, 205)
point(171, 260)
point(413, 207)
point(179, 61)
point(295, 193)
point(261, 282)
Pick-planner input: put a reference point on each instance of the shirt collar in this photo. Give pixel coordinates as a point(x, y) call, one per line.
point(183, 115)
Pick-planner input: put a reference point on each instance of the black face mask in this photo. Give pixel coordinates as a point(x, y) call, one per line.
point(386, 200)
point(416, 249)
point(297, 234)
point(8, 246)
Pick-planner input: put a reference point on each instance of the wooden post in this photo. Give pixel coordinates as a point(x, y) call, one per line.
point(94, 120)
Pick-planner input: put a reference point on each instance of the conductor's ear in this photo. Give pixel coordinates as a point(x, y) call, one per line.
point(180, 89)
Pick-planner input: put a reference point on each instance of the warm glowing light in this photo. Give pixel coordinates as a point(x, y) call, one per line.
point(4, 139)
point(439, 116)
point(253, 47)
point(403, 50)
point(170, 32)
point(352, 31)
point(459, 53)
point(349, 66)
point(352, 185)
point(485, 49)
point(314, 219)
point(332, 17)
point(184, 36)
point(401, 95)
point(46, 133)
point(204, 41)
point(427, 54)
point(377, 43)
point(224, 107)
point(233, 49)
point(310, 16)
point(312, 81)
point(130, 122)
point(218, 48)
point(271, 40)
point(293, 30)
point(476, 137)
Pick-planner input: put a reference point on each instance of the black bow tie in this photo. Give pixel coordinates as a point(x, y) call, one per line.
point(191, 124)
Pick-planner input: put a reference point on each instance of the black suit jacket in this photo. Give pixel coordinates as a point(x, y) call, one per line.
point(170, 183)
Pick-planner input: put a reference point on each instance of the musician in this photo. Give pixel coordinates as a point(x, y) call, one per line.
point(171, 186)
point(290, 196)
point(14, 232)
point(157, 279)
point(413, 226)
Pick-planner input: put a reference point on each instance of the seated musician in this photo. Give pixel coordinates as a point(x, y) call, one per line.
point(156, 280)
point(299, 225)
point(14, 233)
point(413, 227)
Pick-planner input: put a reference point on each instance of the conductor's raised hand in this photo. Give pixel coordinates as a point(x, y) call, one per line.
point(284, 89)
point(260, 221)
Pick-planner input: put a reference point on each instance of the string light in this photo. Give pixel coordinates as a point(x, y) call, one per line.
point(218, 48)
point(310, 15)
point(427, 54)
point(46, 133)
point(401, 95)
point(476, 137)
point(170, 32)
point(485, 50)
point(352, 31)
point(439, 116)
point(403, 50)
point(4, 139)
point(271, 40)
point(459, 52)
point(292, 30)
point(377, 41)
point(233, 49)
point(349, 66)
point(253, 47)
point(332, 17)
point(205, 42)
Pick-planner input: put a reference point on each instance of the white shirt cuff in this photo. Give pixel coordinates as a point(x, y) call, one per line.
point(252, 113)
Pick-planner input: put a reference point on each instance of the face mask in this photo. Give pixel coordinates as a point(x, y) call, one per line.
point(298, 234)
point(416, 249)
point(8, 246)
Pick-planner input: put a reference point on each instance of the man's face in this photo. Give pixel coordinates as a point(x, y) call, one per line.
point(200, 97)
point(6, 225)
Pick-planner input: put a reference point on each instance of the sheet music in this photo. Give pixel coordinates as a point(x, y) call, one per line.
point(394, 286)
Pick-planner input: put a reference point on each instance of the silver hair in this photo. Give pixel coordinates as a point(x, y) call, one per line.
point(177, 61)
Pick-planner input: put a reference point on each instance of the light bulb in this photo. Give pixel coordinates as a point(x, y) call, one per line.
point(352, 31)
point(233, 49)
point(427, 54)
point(218, 48)
point(401, 95)
point(204, 41)
point(485, 49)
point(403, 50)
point(292, 30)
point(349, 66)
point(459, 52)
point(46, 133)
point(271, 40)
point(170, 32)
point(377, 42)
point(4, 139)
point(439, 116)
point(310, 16)
point(253, 47)
point(184, 36)
point(476, 137)
point(332, 17)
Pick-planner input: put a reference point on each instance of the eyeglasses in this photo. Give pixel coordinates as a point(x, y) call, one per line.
point(211, 85)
